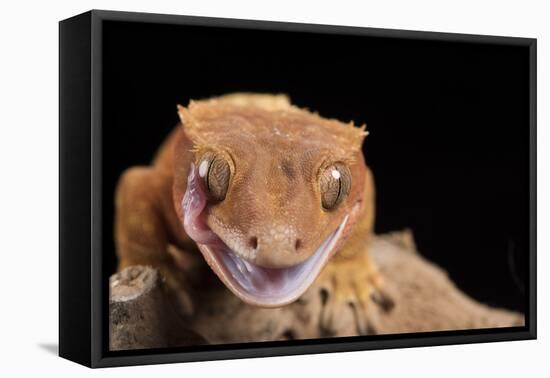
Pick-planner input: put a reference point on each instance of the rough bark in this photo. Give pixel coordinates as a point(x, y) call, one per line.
point(140, 315)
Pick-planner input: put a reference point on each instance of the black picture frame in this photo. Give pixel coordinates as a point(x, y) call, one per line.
point(83, 292)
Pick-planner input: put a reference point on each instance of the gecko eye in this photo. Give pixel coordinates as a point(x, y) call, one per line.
point(215, 172)
point(335, 183)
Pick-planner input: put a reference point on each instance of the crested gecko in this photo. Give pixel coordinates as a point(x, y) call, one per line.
point(274, 197)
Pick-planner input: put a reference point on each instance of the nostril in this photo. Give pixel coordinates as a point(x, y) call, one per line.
point(298, 244)
point(253, 242)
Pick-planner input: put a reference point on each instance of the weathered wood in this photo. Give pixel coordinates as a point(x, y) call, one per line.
point(418, 296)
point(140, 315)
point(135, 319)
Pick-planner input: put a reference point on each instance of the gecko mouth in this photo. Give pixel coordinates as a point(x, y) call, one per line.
point(254, 284)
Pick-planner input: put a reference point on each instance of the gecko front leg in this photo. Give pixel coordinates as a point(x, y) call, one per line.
point(351, 284)
point(142, 234)
point(349, 290)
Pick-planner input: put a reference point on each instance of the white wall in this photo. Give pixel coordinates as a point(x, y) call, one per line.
point(29, 184)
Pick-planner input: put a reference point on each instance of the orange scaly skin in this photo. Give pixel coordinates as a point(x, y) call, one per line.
point(272, 213)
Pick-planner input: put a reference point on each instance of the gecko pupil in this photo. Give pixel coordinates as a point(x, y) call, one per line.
point(335, 183)
point(216, 176)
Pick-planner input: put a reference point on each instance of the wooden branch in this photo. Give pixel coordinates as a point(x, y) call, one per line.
point(140, 315)
point(418, 296)
point(135, 320)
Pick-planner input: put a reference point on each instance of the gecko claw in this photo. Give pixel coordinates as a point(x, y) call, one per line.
point(350, 292)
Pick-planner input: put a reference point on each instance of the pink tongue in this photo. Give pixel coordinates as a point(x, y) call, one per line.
point(194, 202)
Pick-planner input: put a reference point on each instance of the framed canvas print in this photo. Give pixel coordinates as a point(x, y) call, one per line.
point(234, 188)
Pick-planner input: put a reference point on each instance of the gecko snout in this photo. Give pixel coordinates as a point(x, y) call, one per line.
point(253, 243)
point(280, 247)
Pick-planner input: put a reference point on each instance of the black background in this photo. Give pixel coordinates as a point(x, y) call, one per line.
point(448, 122)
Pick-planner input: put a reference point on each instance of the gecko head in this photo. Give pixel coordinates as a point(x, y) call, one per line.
point(268, 192)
